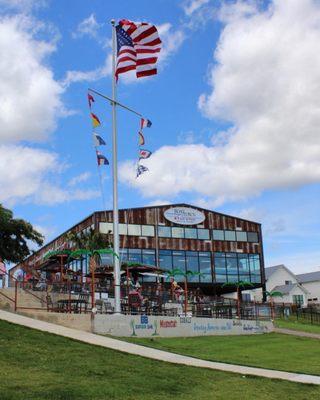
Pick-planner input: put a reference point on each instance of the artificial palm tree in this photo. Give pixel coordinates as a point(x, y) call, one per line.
point(271, 295)
point(178, 272)
point(91, 244)
point(239, 285)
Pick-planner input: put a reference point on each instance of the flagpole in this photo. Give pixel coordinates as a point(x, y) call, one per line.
point(116, 260)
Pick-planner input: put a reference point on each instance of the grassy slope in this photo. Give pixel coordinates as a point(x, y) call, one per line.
point(36, 365)
point(298, 326)
point(275, 351)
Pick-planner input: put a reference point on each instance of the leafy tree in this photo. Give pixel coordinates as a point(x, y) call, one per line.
point(15, 237)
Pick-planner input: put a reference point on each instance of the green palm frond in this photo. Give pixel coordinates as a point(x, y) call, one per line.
point(274, 294)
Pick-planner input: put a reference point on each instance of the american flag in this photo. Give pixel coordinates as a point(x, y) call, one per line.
point(138, 48)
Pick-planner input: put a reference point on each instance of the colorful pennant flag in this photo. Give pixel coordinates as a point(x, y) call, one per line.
point(97, 140)
point(90, 99)
point(101, 159)
point(141, 169)
point(95, 120)
point(145, 123)
point(141, 139)
point(144, 154)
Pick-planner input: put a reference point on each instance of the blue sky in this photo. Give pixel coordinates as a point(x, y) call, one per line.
point(235, 112)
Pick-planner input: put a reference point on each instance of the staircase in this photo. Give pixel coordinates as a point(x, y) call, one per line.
point(25, 299)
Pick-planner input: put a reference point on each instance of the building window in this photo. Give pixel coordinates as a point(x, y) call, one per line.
point(177, 232)
point(243, 263)
point(253, 237)
point(297, 299)
point(123, 229)
point(134, 255)
point(106, 227)
point(221, 278)
point(203, 234)
point(149, 257)
point(205, 267)
point(230, 236)
point(164, 231)
point(241, 236)
point(147, 230)
point(190, 233)
point(123, 255)
point(217, 234)
point(220, 263)
point(232, 263)
point(192, 264)
point(134, 230)
point(287, 282)
point(165, 259)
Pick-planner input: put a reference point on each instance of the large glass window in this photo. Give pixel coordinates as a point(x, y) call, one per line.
point(179, 262)
point(205, 267)
point(190, 233)
point(147, 230)
point(297, 299)
point(164, 231)
point(217, 234)
point(221, 278)
point(232, 263)
point(220, 263)
point(241, 236)
point(123, 254)
point(177, 232)
point(254, 262)
point(253, 237)
point(243, 263)
point(106, 259)
point(233, 278)
point(134, 230)
point(230, 236)
point(165, 259)
point(149, 257)
point(203, 234)
point(134, 255)
point(192, 264)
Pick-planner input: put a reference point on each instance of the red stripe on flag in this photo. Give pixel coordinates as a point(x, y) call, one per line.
point(145, 51)
point(145, 34)
point(145, 61)
point(154, 42)
point(147, 73)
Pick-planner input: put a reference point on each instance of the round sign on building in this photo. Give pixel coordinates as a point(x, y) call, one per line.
point(184, 215)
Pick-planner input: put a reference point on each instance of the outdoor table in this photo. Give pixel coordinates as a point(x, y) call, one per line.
point(68, 305)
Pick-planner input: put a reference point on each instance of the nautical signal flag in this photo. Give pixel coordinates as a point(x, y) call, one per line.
point(101, 159)
point(143, 154)
point(95, 120)
point(141, 169)
point(90, 99)
point(145, 123)
point(141, 139)
point(97, 140)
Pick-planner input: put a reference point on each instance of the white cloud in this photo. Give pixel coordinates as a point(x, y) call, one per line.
point(26, 175)
point(29, 95)
point(79, 178)
point(89, 26)
point(89, 76)
point(192, 6)
point(266, 82)
point(22, 5)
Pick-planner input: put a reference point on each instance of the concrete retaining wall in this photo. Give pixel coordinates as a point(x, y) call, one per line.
point(81, 322)
point(150, 326)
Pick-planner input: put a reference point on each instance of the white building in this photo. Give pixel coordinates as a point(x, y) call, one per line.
point(311, 282)
point(280, 279)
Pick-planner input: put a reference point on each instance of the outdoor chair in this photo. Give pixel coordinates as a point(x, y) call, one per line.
point(83, 301)
point(134, 302)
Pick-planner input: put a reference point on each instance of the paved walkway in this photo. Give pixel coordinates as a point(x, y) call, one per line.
point(297, 333)
point(153, 353)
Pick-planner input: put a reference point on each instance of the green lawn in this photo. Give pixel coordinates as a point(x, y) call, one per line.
point(40, 366)
point(273, 350)
point(298, 326)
